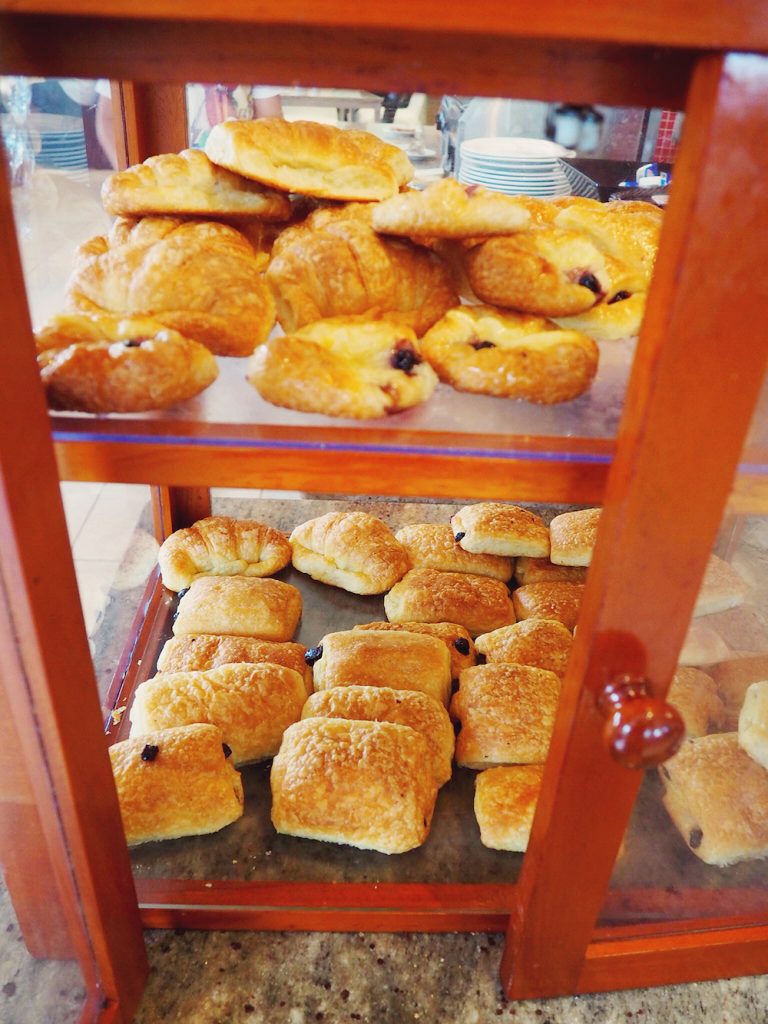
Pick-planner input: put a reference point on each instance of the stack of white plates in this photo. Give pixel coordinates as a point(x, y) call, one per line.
point(528, 166)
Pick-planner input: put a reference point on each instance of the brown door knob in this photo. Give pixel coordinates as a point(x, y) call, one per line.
point(641, 731)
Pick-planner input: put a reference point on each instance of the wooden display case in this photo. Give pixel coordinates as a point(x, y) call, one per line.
point(663, 472)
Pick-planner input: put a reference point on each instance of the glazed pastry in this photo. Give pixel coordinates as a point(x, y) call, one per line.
point(177, 782)
point(403, 707)
point(560, 601)
point(497, 529)
point(512, 355)
point(200, 278)
point(401, 661)
point(365, 784)
point(351, 550)
point(221, 546)
point(541, 643)
point(703, 646)
point(239, 606)
point(542, 570)
point(478, 603)
point(753, 723)
point(620, 315)
point(447, 209)
point(197, 652)
point(572, 536)
point(507, 714)
point(456, 638)
point(432, 546)
point(733, 678)
point(717, 796)
point(344, 367)
point(721, 588)
point(253, 705)
point(310, 158)
point(695, 696)
point(96, 362)
point(547, 271)
point(505, 802)
point(335, 265)
point(188, 183)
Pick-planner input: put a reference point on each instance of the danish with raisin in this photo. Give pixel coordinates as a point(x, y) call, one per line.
point(496, 528)
point(572, 536)
point(433, 546)
point(197, 652)
point(478, 603)
point(490, 351)
point(239, 606)
point(456, 638)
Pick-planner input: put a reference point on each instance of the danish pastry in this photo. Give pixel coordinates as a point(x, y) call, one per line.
point(96, 362)
point(620, 316)
point(540, 643)
point(334, 264)
point(495, 528)
point(572, 537)
point(456, 638)
point(310, 158)
point(200, 278)
point(365, 784)
point(432, 546)
point(239, 606)
point(507, 714)
point(351, 550)
point(505, 802)
point(400, 661)
point(560, 601)
point(253, 705)
point(221, 546)
point(344, 367)
point(478, 603)
point(383, 704)
point(717, 796)
point(196, 652)
point(188, 183)
point(695, 696)
point(733, 678)
point(542, 570)
point(513, 355)
point(177, 782)
point(447, 209)
point(753, 723)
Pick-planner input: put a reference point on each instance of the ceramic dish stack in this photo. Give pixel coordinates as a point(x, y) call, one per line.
point(528, 166)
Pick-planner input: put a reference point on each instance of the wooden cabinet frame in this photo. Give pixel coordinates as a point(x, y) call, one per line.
point(664, 484)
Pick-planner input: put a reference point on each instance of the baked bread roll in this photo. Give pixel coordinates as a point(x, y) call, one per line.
point(478, 603)
point(447, 209)
point(512, 355)
point(197, 652)
point(253, 705)
point(572, 536)
point(177, 782)
point(541, 643)
point(695, 696)
point(221, 546)
point(403, 707)
point(200, 278)
point(432, 546)
point(717, 796)
point(401, 661)
point(703, 646)
point(345, 366)
point(334, 264)
point(506, 713)
point(188, 183)
point(497, 529)
point(542, 570)
point(753, 723)
point(97, 362)
point(547, 271)
point(505, 802)
point(457, 639)
point(310, 158)
point(722, 588)
point(560, 601)
point(351, 550)
point(733, 678)
point(365, 784)
point(239, 606)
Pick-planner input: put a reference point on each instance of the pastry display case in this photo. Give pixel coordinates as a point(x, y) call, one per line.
point(631, 876)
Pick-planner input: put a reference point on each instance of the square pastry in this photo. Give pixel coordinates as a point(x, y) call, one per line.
point(505, 802)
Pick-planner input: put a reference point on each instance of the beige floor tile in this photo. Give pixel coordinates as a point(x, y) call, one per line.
point(94, 581)
point(79, 499)
point(109, 527)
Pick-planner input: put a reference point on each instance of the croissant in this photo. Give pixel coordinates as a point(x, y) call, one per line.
point(200, 278)
point(220, 546)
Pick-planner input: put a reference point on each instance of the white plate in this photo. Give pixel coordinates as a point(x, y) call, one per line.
point(515, 148)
